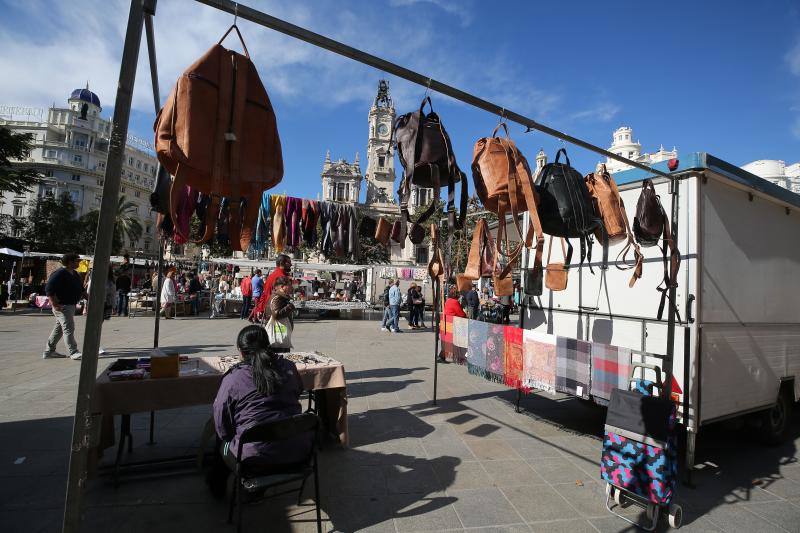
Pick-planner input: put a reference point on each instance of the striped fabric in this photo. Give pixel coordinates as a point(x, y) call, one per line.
point(611, 369)
point(460, 339)
point(495, 353)
point(446, 338)
point(539, 361)
point(572, 366)
point(476, 353)
point(513, 357)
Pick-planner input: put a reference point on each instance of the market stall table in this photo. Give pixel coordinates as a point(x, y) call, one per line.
point(42, 302)
point(197, 384)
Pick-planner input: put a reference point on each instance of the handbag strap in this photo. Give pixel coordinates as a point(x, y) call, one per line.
point(563, 251)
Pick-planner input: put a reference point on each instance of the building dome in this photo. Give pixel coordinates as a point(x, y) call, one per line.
point(85, 95)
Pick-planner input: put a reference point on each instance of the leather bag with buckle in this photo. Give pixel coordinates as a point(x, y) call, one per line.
point(557, 273)
point(217, 133)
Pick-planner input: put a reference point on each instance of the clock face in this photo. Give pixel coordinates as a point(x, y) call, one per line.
point(383, 130)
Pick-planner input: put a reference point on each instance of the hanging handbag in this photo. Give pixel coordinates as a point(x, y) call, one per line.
point(557, 273)
point(436, 268)
point(383, 231)
point(503, 286)
point(417, 233)
point(397, 232)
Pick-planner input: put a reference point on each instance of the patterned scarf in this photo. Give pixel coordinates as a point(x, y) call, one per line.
point(495, 353)
point(476, 354)
point(446, 338)
point(611, 369)
point(539, 361)
point(513, 362)
point(460, 339)
point(572, 371)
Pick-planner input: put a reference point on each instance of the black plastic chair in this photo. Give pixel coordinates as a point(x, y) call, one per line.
point(254, 482)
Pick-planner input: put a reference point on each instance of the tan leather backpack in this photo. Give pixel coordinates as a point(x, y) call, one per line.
point(503, 181)
point(217, 133)
point(608, 205)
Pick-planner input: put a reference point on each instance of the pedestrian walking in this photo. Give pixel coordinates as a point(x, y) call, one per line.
point(412, 311)
point(193, 288)
point(257, 284)
point(473, 303)
point(64, 288)
point(247, 296)
point(505, 309)
point(123, 287)
point(387, 314)
point(395, 301)
point(169, 293)
point(283, 268)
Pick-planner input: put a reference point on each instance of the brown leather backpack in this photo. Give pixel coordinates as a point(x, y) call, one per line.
point(383, 231)
point(651, 226)
point(482, 259)
point(608, 205)
point(503, 181)
point(428, 160)
point(217, 132)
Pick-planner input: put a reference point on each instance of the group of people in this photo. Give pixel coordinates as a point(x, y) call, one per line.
point(480, 306)
point(393, 300)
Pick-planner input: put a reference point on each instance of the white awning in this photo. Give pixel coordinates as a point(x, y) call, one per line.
point(9, 251)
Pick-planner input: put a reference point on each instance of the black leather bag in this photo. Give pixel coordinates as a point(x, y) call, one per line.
point(428, 160)
point(367, 227)
point(565, 206)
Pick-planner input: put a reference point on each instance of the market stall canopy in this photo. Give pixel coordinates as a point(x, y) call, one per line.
point(9, 251)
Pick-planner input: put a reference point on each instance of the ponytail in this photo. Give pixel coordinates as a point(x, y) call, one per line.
point(253, 342)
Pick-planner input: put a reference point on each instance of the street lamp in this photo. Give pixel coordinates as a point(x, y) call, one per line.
point(26, 249)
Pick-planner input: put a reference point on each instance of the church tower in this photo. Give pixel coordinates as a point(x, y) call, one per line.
point(380, 155)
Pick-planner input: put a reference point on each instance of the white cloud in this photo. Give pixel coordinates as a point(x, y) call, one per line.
point(796, 127)
point(602, 112)
point(458, 8)
point(793, 59)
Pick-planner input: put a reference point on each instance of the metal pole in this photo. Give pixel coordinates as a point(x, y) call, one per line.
point(79, 450)
point(268, 21)
point(436, 297)
point(671, 307)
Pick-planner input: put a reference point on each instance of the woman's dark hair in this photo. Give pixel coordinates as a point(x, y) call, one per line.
point(452, 292)
point(253, 342)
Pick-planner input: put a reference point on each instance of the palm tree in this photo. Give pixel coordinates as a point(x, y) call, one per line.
point(126, 221)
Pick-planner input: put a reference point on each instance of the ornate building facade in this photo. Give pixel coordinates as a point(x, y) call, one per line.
point(70, 149)
point(341, 181)
point(624, 145)
point(778, 172)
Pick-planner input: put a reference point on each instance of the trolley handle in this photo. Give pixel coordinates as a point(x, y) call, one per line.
point(644, 366)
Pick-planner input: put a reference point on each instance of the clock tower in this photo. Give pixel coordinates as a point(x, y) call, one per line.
point(380, 154)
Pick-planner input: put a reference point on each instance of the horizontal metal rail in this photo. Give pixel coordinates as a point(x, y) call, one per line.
point(268, 21)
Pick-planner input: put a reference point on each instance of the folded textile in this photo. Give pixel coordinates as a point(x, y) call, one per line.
point(354, 244)
point(450, 352)
point(294, 212)
point(611, 369)
point(259, 242)
point(513, 357)
point(420, 274)
point(539, 361)
point(461, 332)
point(308, 221)
point(278, 222)
point(495, 353)
point(327, 211)
point(476, 353)
point(572, 366)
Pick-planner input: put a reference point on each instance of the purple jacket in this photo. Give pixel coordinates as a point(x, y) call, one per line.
point(239, 405)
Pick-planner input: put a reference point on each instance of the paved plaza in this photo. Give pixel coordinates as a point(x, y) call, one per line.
point(469, 463)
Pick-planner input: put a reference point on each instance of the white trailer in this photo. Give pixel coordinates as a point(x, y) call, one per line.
point(737, 349)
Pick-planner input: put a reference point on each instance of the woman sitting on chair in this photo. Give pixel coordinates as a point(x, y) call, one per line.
point(264, 387)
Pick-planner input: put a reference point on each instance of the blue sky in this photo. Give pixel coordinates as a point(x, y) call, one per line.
point(715, 76)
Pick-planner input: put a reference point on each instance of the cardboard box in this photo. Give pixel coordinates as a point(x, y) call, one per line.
point(167, 366)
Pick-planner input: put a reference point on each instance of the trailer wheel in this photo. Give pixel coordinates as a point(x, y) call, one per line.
point(775, 421)
point(675, 516)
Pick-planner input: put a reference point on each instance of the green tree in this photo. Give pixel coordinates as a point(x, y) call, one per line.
point(52, 225)
point(15, 177)
point(126, 227)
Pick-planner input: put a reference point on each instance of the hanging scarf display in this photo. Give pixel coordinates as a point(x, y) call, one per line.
point(476, 353)
point(513, 357)
point(572, 366)
point(460, 339)
point(222, 222)
point(326, 210)
point(353, 245)
point(309, 219)
point(495, 353)
point(539, 361)
point(261, 237)
point(294, 212)
point(446, 351)
point(611, 369)
point(341, 227)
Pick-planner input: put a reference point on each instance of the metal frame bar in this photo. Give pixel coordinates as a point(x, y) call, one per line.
point(141, 12)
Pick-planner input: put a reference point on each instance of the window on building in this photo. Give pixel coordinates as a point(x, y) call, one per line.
point(80, 143)
point(48, 173)
point(75, 196)
point(145, 167)
point(138, 164)
point(101, 164)
point(422, 255)
point(48, 191)
point(130, 174)
point(52, 154)
point(130, 161)
point(98, 199)
point(147, 245)
point(77, 158)
point(76, 177)
point(340, 192)
point(630, 155)
point(147, 229)
point(136, 194)
point(381, 161)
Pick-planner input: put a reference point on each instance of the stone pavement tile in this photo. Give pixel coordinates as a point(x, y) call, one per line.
point(563, 526)
point(783, 514)
point(425, 514)
point(19, 461)
point(32, 521)
point(484, 507)
point(738, 518)
point(491, 449)
point(538, 503)
point(511, 473)
point(441, 433)
point(416, 476)
point(390, 451)
point(512, 528)
point(614, 524)
point(456, 448)
point(457, 475)
point(177, 488)
point(32, 492)
point(722, 491)
point(558, 470)
point(356, 480)
point(783, 487)
point(534, 448)
point(589, 499)
point(166, 518)
point(361, 513)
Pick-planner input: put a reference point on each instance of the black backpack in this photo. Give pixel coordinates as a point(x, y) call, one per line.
point(426, 154)
point(565, 207)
